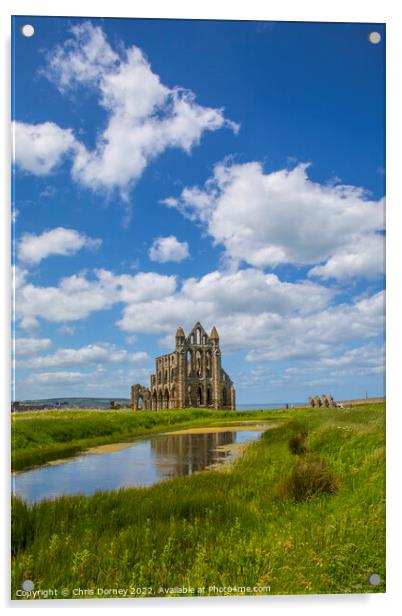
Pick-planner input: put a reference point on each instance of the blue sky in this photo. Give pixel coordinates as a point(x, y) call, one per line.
point(172, 171)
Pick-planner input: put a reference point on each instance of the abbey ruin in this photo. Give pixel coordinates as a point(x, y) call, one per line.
point(190, 376)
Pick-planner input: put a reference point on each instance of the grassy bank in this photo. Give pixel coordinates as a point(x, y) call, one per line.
point(42, 436)
point(246, 526)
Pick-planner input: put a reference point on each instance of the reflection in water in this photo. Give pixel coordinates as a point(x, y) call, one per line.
point(143, 463)
point(183, 454)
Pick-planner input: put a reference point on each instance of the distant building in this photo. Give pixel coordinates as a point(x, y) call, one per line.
point(190, 376)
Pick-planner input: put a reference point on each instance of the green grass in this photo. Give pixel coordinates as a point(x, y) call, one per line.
point(229, 527)
point(42, 436)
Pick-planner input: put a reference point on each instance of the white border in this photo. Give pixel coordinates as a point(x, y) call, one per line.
point(285, 10)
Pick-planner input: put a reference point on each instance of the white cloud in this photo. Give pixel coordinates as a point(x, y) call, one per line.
point(168, 248)
point(39, 148)
point(338, 367)
point(252, 291)
point(83, 58)
point(152, 303)
point(29, 324)
point(334, 367)
point(142, 287)
point(363, 256)
point(31, 346)
point(266, 219)
point(368, 356)
point(19, 276)
point(219, 294)
point(57, 378)
point(102, 353)
point(144, 117)
point(170, 201)
point(255, 312)
point(60, 241)
point(360, 361)
point(317, 335)
point(76, 297)
point(66, 329)
point(99, 382)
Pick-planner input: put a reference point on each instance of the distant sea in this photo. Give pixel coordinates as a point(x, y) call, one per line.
point(264, 407)
point(104, 403)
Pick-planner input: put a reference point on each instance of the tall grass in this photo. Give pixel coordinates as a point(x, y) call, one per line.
point(224, 528)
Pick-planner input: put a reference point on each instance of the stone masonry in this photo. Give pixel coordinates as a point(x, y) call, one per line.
point(191, 376)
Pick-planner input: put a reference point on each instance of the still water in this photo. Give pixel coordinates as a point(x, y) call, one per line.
point(142, 462)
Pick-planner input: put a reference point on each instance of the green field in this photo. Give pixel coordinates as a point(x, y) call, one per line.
point(301, 523)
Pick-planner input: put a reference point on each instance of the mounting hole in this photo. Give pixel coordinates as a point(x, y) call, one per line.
point(374, 579)
point(27, 30)
point(27, 585)
point(374, 38)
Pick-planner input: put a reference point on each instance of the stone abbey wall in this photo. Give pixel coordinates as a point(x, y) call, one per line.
point(190, 376)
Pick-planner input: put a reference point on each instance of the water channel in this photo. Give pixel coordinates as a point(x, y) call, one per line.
point(141, 462)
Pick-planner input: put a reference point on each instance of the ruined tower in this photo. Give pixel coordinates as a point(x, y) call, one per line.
point(190, 376)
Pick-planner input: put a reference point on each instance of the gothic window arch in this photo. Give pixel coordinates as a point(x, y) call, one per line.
point(199, 396)
point(208, 364)
point(166, 399)
point(189, 360)
point(198, 363)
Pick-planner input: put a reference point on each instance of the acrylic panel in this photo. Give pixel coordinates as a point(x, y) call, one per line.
point(198, 401)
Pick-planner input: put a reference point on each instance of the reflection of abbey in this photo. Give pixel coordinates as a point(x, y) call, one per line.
point(191, 376)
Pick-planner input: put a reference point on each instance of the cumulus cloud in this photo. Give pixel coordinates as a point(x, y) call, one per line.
point(144, 116)
point(31, 346)
point(33, 248)
point(153, 303)
point(168, 248)
point(363, 256)
point(215, 296)
point(368, 356)
point(102, 353)
point(255, 312)
point(317, 335)
point(360, 361)
point(77, 296)
point(39, 148)
point(267, 219)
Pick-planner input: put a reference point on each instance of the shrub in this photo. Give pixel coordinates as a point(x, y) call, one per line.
point(310, 476)
point(298, 443)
